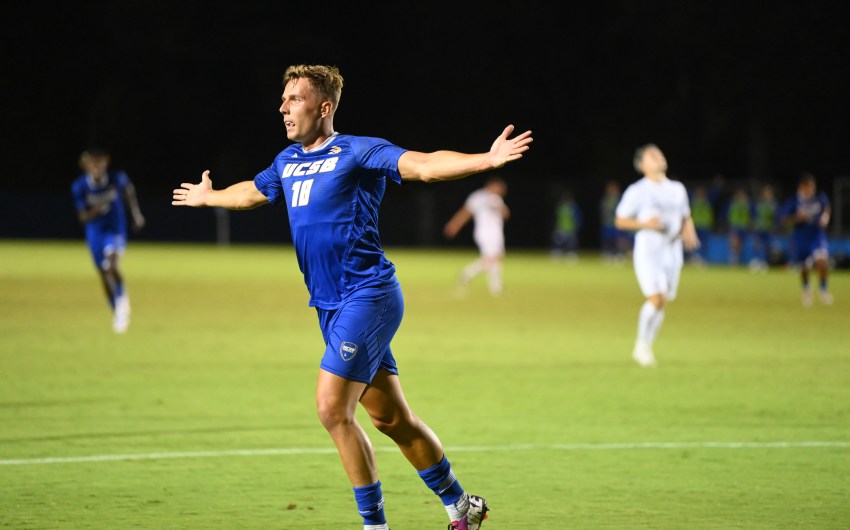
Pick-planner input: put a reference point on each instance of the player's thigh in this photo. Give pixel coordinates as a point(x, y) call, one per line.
point(491, 245)
point(359, 334)
point(651, 274)
point(384, 399)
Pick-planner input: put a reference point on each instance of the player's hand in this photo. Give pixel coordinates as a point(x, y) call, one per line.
point(690, 241)
point(138, 222)
point(824, 219)
point(506, 149)
point(189, 194)
point(653, 223)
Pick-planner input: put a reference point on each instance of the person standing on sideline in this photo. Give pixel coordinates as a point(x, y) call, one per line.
point(655, 208)
point(100, 197)
point(568, 219)
point(332, 184)
point(702, 212)
point(486, 208)
point(808, 213)
point(615, 244)
point(764, 226)
point(739, 217)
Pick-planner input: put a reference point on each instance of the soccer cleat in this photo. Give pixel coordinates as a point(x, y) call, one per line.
point(643, 354)
point(807, 298)
point(474, 516)
point(825, 297)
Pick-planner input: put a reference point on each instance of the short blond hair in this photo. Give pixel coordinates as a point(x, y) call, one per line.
point(325, 80)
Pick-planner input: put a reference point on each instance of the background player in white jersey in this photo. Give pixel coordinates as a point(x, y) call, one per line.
point(332, 185)
point(101, 196)
point(487, 209)
point(655, 208)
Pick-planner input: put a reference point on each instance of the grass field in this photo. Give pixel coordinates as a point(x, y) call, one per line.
point(202, 415)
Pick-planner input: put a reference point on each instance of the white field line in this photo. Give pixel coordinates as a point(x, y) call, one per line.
point(472, 449)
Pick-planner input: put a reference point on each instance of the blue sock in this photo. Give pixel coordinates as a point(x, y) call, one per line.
point(370, 503)
point(823, 284)
point(442, 481)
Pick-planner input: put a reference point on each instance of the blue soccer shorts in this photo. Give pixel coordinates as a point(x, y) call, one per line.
point(358, 334)
point(102, 244)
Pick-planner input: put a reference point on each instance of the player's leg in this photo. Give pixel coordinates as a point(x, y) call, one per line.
point(114, 250)
point(97, 248)
point(387, 407)
point(357, 337)
point(471, 270)
point(652, 279)
point(492, 245)
point(336, 402)
point(805, 260)
point(821, 256)
point(493, 265)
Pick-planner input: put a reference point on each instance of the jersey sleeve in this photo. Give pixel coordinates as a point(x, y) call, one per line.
point(379, 155)
point(471, 202)
point(268, 183)
point(627, 207)
point(121, 180)
point(686, 203)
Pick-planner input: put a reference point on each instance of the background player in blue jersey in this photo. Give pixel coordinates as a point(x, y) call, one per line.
point(100, 197)
point(332, 185)
point(808, 213)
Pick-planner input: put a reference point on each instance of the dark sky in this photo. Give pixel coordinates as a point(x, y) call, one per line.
point(752, 90)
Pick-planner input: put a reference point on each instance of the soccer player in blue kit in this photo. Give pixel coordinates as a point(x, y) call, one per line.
point(100, 196)
point(808, 212)
point(332, 185)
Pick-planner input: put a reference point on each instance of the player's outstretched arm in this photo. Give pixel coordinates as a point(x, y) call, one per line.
point(457, 222)
point(451, 165)
point(240, 196)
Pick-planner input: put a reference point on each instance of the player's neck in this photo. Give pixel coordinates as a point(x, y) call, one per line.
point(656, 177)
point(319, 140)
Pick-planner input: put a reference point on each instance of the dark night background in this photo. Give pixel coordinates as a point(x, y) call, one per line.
point(755, 91)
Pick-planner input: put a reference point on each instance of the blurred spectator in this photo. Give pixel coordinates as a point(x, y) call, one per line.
point(702, 212)
point(764, 228)
point(615, 242)
point(739, 218)
point(568, 219)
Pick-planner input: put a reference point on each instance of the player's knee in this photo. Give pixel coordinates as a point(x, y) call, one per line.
point(394, 424)
point(332, 412)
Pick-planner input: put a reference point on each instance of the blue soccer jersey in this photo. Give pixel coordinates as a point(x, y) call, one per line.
point(107, 197)
point(333, 195)
point(808, 235)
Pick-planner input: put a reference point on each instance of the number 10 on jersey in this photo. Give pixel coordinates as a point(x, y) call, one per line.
point(301, 192)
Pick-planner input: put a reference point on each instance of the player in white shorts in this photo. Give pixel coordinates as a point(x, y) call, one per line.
point(486, 207)
point(657, 210)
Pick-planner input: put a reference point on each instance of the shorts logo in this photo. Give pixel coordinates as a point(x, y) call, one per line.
point(347, 350)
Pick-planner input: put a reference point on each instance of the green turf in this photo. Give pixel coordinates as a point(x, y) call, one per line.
point(531, 393)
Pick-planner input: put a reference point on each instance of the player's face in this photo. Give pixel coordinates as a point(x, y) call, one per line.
point(301, 109)
point(806, 190)
point(96, 166)
point(653, 161)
